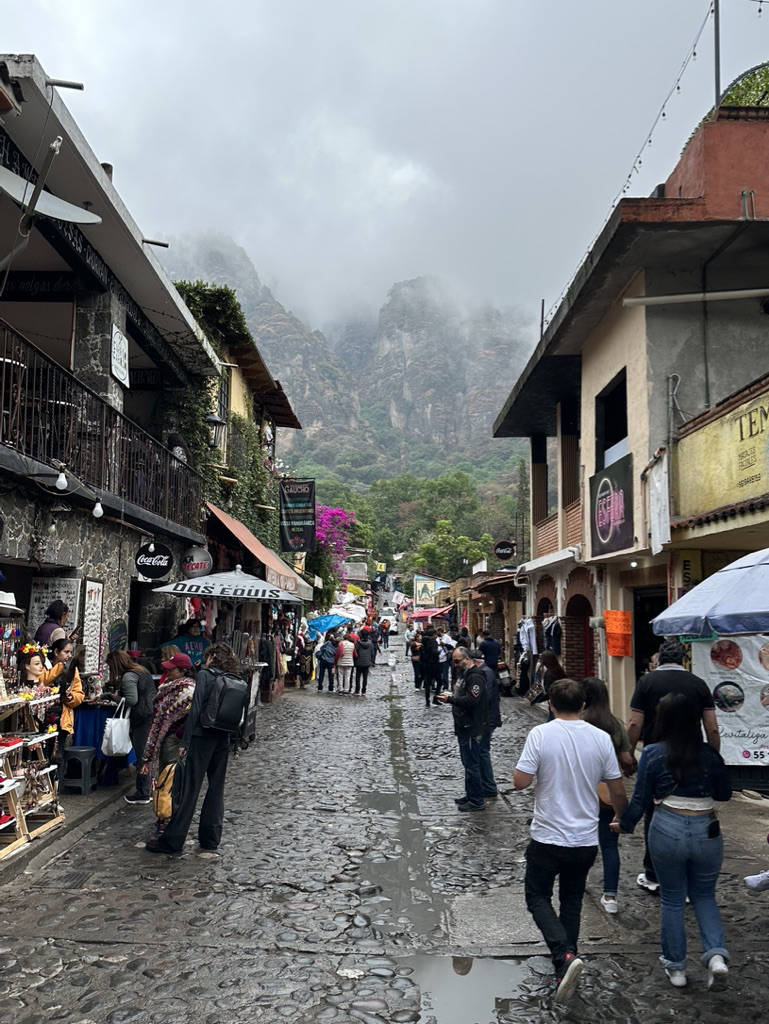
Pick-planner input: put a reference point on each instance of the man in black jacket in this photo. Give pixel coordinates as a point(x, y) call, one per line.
point(429, 664)
point(493, 721)
point(207, 752)
point(469, 707)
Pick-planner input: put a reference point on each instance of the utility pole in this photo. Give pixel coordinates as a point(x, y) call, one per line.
point(717, 53)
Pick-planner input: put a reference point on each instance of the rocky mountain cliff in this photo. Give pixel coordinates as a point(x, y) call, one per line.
point(416, 388)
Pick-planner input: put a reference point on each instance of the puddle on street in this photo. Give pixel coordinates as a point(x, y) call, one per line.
point(464, 989)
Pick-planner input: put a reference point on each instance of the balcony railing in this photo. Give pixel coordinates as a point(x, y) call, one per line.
point(573, 513)
point(546, 536)
point(48, 415)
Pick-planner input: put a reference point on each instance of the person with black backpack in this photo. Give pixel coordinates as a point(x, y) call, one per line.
point(217, 708)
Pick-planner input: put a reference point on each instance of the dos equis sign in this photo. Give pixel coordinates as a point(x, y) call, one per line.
point(611, 507)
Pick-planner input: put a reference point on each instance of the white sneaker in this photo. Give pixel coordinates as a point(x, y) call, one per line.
point(609, 904)
point(759, 882)
point(718, 973)
point(677, 978)
point(644, 882)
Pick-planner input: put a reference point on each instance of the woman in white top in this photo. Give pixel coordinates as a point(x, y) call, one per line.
point(345, 665)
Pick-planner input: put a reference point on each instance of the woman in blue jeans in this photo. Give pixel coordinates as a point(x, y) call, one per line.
point(598, 713)
point(684, 777)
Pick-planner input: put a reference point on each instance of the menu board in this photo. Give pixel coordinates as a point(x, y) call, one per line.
point(45, 590)
point(92, 610)
point(736, 669)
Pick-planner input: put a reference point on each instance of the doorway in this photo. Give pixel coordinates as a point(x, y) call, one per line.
point(579, 646)
point(647, 602)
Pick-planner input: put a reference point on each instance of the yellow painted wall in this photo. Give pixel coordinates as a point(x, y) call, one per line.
point(241, 398)
point(726, 460)
point(617, 342)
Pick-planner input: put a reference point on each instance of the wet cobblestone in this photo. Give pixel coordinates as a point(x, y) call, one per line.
point(342, 858)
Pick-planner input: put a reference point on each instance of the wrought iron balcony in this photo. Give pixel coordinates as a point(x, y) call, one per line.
point(48, 415)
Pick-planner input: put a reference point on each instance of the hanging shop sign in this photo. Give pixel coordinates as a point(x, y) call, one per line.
point(92, 611)
point(736, 670)
point(196, 562)
point(619, 633)
point(504, 550)
point(297, 515)
point(119, 365)
point(154, 561)
point(117, 635)
point(611, 505)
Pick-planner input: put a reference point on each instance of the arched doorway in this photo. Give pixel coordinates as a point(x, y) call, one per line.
point(579, 642)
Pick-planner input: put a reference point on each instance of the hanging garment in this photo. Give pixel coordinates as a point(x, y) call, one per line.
point(552, 630)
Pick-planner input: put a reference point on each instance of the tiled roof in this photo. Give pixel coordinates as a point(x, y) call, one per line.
point(739, 508)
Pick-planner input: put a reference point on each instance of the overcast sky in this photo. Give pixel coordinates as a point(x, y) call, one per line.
point(348, 144)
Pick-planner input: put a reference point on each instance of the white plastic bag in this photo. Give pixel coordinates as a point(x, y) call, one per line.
point(116, 741)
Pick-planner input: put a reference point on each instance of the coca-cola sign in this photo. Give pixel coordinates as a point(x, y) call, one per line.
point(154, 561)
point(196, 562)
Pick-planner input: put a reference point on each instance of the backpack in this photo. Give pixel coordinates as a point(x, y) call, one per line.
point(225, 704)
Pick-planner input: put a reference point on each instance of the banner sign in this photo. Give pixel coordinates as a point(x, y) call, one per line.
point(611, 507)
point(119, 364)
point(297, 515)
point(736, 670)
point(425, 588)
point(659, 505)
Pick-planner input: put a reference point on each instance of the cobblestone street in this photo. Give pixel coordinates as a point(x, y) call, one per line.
point(348, 889)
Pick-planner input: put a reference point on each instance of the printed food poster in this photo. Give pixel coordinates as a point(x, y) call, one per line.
point(736, 670)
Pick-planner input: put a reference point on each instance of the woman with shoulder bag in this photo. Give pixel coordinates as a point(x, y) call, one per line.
point(598, 714)
point(137, 688)
point(683, 776)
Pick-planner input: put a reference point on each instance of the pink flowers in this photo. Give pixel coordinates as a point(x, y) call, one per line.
point(331, 535)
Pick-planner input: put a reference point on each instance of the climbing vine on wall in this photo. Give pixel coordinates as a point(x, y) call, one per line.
point(247, 460)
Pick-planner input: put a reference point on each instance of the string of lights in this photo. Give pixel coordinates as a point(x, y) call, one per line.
point(661, 115)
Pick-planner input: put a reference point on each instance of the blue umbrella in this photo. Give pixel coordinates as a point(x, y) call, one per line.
point(732, 600)
point(325, 622)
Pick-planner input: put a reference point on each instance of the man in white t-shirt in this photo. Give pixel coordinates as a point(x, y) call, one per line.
point(568, 758)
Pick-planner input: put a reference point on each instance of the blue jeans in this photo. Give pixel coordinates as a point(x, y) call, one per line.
point(470, 752)
point(488, 782)
point(323, 668)
point(609, 843)
point(444, 675)
point(686, 862)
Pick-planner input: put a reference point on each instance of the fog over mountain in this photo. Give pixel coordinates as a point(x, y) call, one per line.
point(416, 386)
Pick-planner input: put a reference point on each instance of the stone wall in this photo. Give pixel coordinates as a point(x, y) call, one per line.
point(97, 549)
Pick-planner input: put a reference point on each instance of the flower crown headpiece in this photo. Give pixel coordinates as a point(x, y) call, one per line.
point(33, 648)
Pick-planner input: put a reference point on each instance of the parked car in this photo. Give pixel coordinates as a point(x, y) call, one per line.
point(388, 612)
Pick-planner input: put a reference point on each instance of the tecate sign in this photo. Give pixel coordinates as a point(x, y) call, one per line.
point(154, 561)
point(196, 562)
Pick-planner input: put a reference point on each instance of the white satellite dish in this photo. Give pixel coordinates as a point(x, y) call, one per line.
point(20, 190)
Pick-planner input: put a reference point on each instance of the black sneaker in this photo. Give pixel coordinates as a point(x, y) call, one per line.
point(460, 800)
point(567, 982)
point(136, 798)
point(467, 806)
point(158, 846)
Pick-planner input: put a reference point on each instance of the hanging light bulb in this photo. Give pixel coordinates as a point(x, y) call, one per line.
point(98, 511)
point(52, 527)
point(61, 481)
point(152, 547)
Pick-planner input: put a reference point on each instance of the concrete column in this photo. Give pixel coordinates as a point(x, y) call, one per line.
point(95, 313)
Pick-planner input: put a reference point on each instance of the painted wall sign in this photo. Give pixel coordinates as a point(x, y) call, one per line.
point(297, 515)
point(611, 507)
point(726, 460)
point(504, 549)
point(39, 286)
point(425, 589)
point(155, 563)
point(197, 562)
point(119, 364)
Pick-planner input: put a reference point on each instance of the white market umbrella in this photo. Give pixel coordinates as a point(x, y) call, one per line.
point(236, 586)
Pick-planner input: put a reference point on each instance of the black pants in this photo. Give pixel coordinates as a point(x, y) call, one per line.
point(417, 674)
point(429, 681)
point(570, 865)
point(207, 756)
point(324, 667)
point(648, 865)
point(361, 675)
point(139, 734)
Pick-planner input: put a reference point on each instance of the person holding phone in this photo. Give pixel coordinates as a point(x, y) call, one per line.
point(684, 777)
